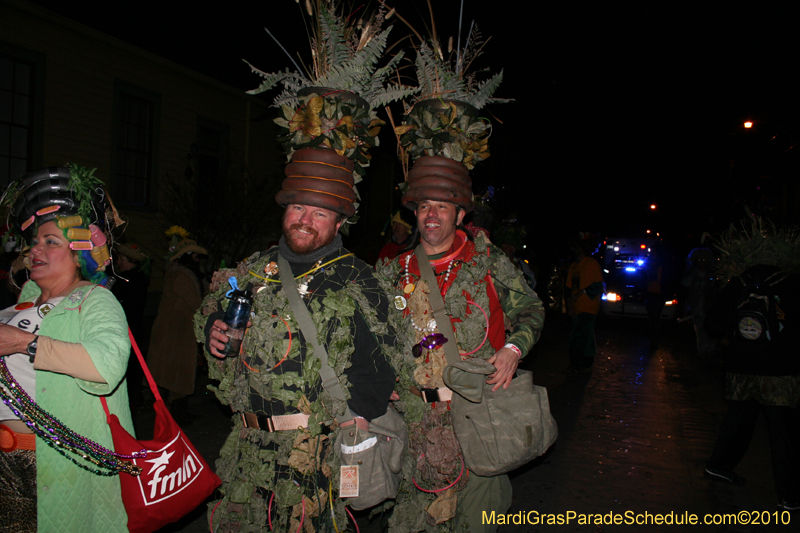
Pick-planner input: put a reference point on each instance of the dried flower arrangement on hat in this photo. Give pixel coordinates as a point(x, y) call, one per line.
point(318, 104)
point(444, 119)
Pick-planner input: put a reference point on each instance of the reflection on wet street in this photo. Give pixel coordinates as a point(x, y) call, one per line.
point(635, 434)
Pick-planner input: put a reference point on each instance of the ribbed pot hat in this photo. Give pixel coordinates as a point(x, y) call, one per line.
point(48, 193)
point(440, 179)
point(319, 177)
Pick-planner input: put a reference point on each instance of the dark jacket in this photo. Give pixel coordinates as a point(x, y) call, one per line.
point(777, 357)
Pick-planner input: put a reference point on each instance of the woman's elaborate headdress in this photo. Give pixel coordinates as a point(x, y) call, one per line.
point(74, 198)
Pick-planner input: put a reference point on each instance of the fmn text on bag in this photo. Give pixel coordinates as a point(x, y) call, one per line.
point(175, 478)
point(507, 428)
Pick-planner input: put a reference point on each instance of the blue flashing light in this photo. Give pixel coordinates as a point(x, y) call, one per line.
point(630, 269)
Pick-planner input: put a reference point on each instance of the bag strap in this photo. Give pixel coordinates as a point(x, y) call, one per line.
point(147, 374)
point(437, 304)
point(330, 381)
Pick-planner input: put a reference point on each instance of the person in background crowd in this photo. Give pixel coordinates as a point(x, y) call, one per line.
point(403, 236)
point(129, 284)
point(584, 285)
point(8, 291)
point(510, 237)
point(654, 293)
point(172, 355)
point(698, 285)
point(762, 375)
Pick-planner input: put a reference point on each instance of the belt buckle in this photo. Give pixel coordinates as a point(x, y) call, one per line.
point(430, 395)
point(9, 441)
point(263, 422)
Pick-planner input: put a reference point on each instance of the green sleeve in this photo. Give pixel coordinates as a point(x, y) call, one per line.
point(594, 290)
point(520, 303)
point(104, 335)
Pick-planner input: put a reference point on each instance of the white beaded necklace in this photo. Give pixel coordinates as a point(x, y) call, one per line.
point(431, 325)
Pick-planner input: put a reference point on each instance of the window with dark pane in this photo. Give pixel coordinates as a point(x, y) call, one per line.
point(16, 118)
point(134, 148)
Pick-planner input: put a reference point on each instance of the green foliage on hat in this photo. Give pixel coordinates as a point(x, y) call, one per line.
point(346, 51)
point(83, 184)
point(756, 241)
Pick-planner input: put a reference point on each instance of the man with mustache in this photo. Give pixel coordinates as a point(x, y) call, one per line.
point(484, 295)
point(277, 465)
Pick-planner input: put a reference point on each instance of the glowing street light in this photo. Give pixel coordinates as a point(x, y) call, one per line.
point(748, 125)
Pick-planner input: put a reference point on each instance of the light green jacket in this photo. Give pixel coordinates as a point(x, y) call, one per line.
point(71, 499)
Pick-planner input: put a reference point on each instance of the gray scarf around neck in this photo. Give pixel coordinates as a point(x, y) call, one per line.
point(312, 257)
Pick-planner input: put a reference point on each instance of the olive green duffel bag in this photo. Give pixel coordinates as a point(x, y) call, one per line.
point(501, 430)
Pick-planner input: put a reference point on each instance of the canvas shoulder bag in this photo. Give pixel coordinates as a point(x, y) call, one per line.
point(498, 431)
point(375, 454)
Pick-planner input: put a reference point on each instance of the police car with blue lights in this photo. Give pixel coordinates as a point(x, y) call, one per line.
point(631, 268)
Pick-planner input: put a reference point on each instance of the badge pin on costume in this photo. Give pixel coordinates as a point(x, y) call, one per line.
point(303, 287)
point(400, 303)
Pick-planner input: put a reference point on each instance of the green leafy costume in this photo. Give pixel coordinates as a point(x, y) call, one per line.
point(479, 276)
point(286, 477)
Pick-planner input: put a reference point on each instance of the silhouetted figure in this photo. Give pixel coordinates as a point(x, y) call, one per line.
point(654, 294)
point(583, 288)
point(756, 314)
point(403, 233)
point(698, 285)
point(173, 353)
point(129, 284)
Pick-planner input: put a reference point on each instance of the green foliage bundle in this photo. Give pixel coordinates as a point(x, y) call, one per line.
point(444, 120)
point(345, 53)
point(446, 128)
point(756, 241)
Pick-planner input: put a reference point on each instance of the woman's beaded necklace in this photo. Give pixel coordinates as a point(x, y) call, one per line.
point(60, 437)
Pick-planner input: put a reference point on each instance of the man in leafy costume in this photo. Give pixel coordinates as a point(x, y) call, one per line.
point(756, 316)
point(481, 288)
point(284, 476)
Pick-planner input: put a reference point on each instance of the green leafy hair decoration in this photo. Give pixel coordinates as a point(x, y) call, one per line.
point(83, 183)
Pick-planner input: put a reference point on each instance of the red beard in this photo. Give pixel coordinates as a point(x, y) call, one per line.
point(298, 246)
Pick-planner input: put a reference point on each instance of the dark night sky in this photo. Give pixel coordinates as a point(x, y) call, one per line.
point(618, 104)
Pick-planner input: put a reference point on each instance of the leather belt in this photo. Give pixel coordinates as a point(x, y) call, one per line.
point(360, 422)
point(442, 394)
point(275, 423)
point(10, 440)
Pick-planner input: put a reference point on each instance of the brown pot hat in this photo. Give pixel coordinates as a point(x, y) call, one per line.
point(440, 179)
point(319, 177)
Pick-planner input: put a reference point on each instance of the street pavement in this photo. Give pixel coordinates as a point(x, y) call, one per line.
point(634, 435)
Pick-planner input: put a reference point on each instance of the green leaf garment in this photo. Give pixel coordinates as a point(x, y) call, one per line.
point(480, 275)
point(280, 479)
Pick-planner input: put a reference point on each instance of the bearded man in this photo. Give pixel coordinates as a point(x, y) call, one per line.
point(277, 465)
point(484, 295)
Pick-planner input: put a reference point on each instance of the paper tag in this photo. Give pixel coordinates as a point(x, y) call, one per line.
point(348, 481)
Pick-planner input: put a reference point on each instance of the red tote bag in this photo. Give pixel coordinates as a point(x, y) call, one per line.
point(175, 478)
